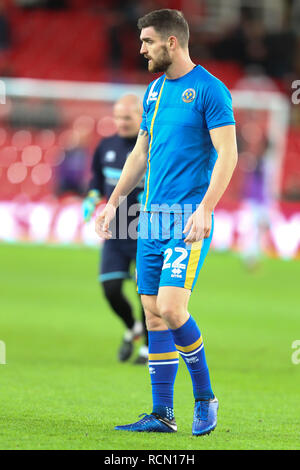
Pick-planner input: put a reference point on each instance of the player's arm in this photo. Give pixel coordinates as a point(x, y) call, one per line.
point(224, 141)
point(95, 187)
point(132, 173)
point(133, 170)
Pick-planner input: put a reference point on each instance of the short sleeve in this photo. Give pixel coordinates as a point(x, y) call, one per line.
point(145, 110)
point(217, 105)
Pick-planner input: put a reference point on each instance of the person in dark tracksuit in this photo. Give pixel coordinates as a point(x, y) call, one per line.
point(119, 252)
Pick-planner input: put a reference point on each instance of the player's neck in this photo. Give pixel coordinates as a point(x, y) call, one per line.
point(180, 67)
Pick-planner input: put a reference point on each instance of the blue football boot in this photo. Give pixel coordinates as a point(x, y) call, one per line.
point(205, 416)
point(150, 423)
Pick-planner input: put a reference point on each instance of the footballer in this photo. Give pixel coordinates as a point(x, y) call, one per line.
point(187, 151)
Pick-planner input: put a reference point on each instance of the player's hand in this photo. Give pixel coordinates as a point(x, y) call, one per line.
point(89, 204)
point(88, 208)
point(103, 220)
point(198, 225)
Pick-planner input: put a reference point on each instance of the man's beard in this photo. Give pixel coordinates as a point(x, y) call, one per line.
point(162, 63)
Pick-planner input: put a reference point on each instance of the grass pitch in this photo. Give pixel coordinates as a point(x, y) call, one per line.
point(63, 388)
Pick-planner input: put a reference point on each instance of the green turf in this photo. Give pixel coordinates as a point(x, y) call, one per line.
point(62, 387)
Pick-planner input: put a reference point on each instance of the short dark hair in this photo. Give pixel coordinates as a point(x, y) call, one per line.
point(167, 23)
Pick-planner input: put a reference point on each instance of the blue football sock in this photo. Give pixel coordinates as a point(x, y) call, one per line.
point(188, 341)
point(163, 366)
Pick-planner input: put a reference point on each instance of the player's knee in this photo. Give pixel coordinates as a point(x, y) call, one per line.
point(112, 289)
point(149, 305)
point(153, 321)
point(171, 314)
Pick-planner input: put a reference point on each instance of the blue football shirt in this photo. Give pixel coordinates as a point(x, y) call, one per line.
point(178, 115)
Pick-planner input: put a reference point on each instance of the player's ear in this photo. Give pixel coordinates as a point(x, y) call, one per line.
point(172, 42)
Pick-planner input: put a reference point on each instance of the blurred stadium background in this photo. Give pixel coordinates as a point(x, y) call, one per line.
point(63, 63)
point(60, 90)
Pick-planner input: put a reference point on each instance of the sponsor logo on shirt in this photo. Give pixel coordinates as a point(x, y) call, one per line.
point(110, 156)
point(153, 96)
point(188, 95)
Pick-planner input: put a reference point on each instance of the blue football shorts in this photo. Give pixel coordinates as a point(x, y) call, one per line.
point(163, 258)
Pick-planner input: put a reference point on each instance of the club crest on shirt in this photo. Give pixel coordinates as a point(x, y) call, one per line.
point(188, 95)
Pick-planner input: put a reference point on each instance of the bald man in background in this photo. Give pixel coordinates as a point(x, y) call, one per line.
point(120, 251)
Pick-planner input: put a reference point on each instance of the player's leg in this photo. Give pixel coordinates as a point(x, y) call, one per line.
point(129, 248)
point(113, 293)
point(123, 309)
point(142, 357)
point(163, 366)
point(179, 274)
point(114, 269)
point(172, 304)
point(163, 357)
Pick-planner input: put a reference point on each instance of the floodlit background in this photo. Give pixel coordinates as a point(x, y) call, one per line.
point(63, 63)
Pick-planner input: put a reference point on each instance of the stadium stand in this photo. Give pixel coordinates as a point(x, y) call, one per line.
point(72, 43)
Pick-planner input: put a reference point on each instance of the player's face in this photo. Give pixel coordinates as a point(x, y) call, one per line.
point(154, 48)
point(127, 120)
